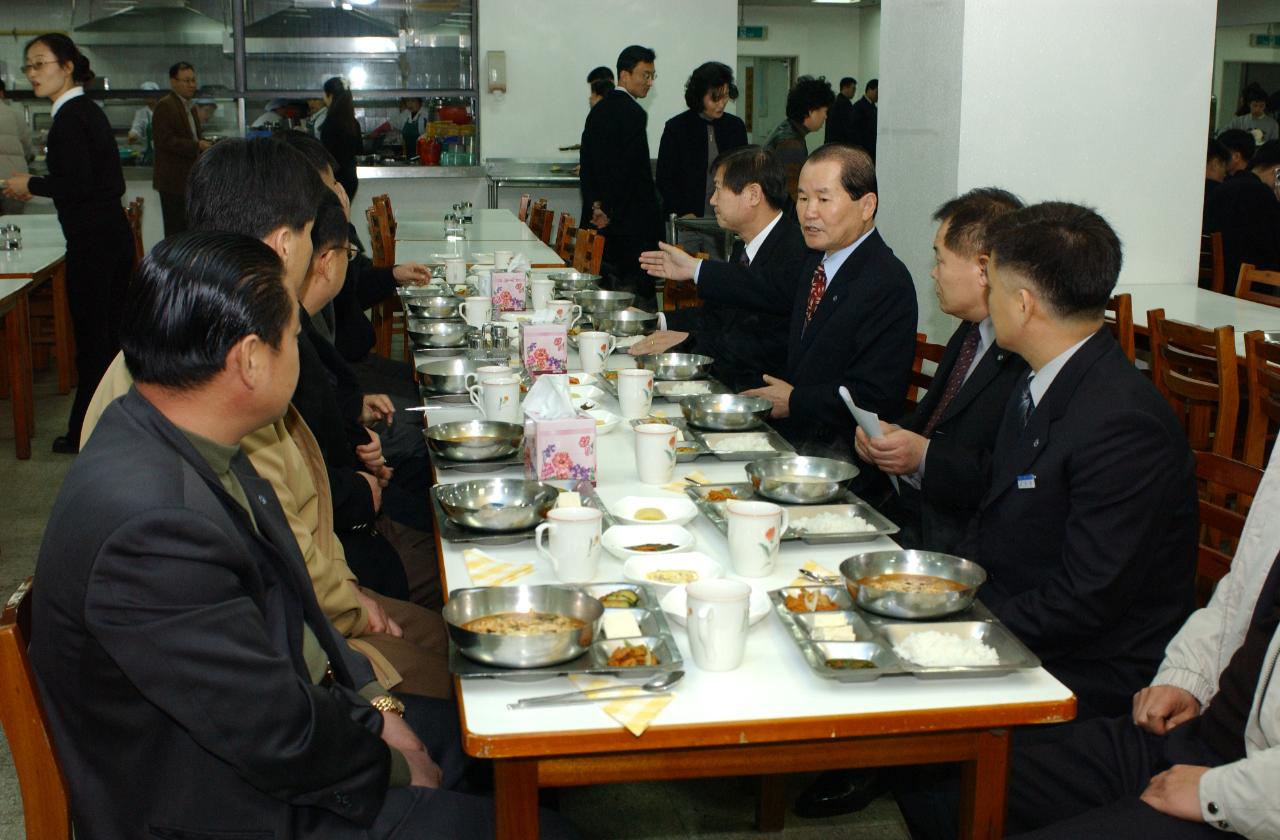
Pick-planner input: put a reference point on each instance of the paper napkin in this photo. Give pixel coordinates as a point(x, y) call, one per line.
point(490, 571)
point(635, 715)
point(811, 566)
point(679, 484)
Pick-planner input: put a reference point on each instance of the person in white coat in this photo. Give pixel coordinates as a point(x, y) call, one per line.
point(15, 146)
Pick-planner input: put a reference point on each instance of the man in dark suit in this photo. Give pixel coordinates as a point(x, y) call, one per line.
point(853, 320)
point(618, 194)
point(178, 140)
point(1088, 529)
point(941, 452)
point(177, 640)
point(743, 321)
point(1245, 209)
point(865, 116)
point(840, 119)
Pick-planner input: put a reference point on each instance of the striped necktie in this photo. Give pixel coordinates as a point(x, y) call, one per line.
point(817, 287)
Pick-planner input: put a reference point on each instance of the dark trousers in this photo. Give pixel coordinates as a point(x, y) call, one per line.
point(99, 265)
point(173, 207)
point(622, 251)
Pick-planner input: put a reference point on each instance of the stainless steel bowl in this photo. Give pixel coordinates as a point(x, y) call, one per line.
point(968, 575)
point(626, 322)
point(475, 440)
point(433, 289)
point(800, 480)
point(497, 504)
point(676, 365)
point(725, 412)
point(436, 334)
point(448, 376)
point(573, 281)
point(433, 306)
point(538, 651)
point(600, 302)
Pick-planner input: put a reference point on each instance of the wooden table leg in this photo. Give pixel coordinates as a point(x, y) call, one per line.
point(984, 787)
point(62, 330)
point(771, 802)
point(18, 349)
point(515, 798)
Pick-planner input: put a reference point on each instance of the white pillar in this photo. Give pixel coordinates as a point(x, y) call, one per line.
point(1098, 102)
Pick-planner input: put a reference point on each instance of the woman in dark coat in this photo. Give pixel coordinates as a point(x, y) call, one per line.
point(340, 133)
point(693, 138)
point(85, 182)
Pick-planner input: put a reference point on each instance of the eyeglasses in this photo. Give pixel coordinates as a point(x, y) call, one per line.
point(649, 77)
point(28, 69)
point(352, 252)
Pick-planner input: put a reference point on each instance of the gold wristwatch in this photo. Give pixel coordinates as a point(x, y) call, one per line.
point(387, 703)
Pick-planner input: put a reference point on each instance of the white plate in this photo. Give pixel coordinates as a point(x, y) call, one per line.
point(606, 421)
point(584, 379)
point(525, 317)
point(674, 605)
point(585, 393)
point(617, 538)
point(637, 569)
point(678, 509)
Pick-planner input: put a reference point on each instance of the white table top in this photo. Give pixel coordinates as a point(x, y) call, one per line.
point(481, 228)
point(1194, 305)
point(38, 229)
point(772, 683)
point(9, 289)
point(30, 260)
point(534, 250)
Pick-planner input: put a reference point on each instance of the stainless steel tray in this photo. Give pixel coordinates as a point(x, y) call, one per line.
point(778, 444)
point(650, 617)
point(442, 463)
point(876, 638)
point(714, 511)
point(688, 449)
point(662, 388)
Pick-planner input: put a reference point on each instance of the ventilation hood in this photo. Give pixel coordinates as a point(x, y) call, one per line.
point(326, 31)
point(154, 22)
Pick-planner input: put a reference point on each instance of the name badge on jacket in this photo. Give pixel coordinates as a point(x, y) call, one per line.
point(1027, 482)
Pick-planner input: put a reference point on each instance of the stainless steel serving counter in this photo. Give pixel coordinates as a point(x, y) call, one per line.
point(511, 172)
point(407, 170)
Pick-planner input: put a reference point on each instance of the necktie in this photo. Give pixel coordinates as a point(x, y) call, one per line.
point(743, 259)
point(816, 287)
point(1026, 405)
point(968, 351)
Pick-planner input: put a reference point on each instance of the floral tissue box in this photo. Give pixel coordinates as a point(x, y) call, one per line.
point(561, 450)
point(544, 348)
point(507, 290)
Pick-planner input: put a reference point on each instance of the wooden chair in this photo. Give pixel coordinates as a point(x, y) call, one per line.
point(384, 203)
point(534, 216)
point(1119, 318)
point(45, 803)
point(588, 250)
point(566, 236)
point(134, 214)
point(1247, 287)
point(920, 381)
point(1212, 266)
point(1195, 369)
point(1222, 516)
point(523, 212)
point(1262, 379)
point(540, 221)
point(387, 314)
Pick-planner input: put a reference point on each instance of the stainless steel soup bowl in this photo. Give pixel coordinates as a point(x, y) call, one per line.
point(497, 504)
point(676, 365)
point(438, 334)
point(443, 377)
point(626, 322)
point(912, 604)
point(538, 651)
point(800, 480)
point(475, 440)
point(601, 302)
point(725, 412)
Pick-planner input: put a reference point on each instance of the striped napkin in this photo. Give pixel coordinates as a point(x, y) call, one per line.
point(801, 580)
point(634, 715)
point(695, 477)
point(490, 571)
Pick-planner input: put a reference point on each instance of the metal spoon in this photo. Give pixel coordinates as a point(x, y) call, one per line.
point(814, 576)
point(657, 686)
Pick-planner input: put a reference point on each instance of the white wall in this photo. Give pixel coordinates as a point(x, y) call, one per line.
point(551, 47)
point(824, 40)
point(868, 47)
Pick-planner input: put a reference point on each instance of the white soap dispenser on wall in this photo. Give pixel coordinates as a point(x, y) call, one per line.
point(496, 63)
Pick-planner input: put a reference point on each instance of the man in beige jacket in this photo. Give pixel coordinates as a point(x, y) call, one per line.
point(15, 147)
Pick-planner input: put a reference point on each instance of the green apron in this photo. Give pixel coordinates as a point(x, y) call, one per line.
point(410, 133)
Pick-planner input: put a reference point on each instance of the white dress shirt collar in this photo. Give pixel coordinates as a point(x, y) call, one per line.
point(753, 247)
point(1043, 378)
point(61, 100)
point(833, 261)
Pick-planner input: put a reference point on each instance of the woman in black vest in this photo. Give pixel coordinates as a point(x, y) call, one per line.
point(85, 182)
point(340, 133)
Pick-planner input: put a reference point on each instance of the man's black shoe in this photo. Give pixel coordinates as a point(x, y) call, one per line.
point(838, 792)
point(65, 446)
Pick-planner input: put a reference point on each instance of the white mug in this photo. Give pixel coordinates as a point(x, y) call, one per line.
point(482, 280)
point(717, 620)
point(476, 310)
point(541, 290)
point(574, 542)
point(635, 393)
point(655, 452)
point(488, 373)
point(593, 348)
point(502, 260)
point(565, 312)
point(755, 533)
point(498, 399)
point(455, 271)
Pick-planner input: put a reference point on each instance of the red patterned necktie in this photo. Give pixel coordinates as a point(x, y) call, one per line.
point(968, 350)
point(816, 288)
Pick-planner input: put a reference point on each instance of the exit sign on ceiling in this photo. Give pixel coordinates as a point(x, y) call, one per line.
point(752, 33)
point(1255, 40)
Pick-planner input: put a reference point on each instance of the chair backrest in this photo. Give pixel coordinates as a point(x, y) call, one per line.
point(134, 214)
point(382, 242)
point(45, 804)
point(1222, 515)
point(385, 201)
point(534, 219)
point(1119, 318)
point(1258, 286)
point(523, 212)
point(1212, 265)
point(565, 237)
point(540, 222)
point(1262, 379)
point(920, 380)
point(588, 251)
point(1195, 368)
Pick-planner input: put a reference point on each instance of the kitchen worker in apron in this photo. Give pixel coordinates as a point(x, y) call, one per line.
point(413, 118)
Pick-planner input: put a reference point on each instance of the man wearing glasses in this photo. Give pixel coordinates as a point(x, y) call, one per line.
point(178, 141)
point(618, 194)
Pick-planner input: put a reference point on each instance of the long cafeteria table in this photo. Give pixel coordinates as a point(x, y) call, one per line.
point(1193, 305)
point(770, 716)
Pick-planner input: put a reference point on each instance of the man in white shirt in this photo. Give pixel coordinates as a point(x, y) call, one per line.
point(1264, 128)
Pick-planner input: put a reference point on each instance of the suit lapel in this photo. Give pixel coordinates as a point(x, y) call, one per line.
point(939, 385)
point(988, 368)
point(838, 287)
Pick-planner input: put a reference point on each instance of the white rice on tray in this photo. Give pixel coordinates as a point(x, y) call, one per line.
point(832, 523)
point(750, 442)
point(944, 650)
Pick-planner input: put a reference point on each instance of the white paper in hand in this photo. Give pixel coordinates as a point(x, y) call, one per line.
point(868, 421)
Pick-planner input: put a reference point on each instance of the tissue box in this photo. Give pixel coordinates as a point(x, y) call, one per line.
point(561, 449)
point(544, 348)
point(507, 290)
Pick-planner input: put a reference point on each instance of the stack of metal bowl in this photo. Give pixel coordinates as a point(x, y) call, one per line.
point(437, 335)
point(475, 440)
point(534, 651)
point(676, 366)
point(448, 377)
point(626, 322)
point(602, 302)
point(435, 307)
point(967, 576)
point(800, 480)
point(497, 504)
point(725, 412)
point(567, 282)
